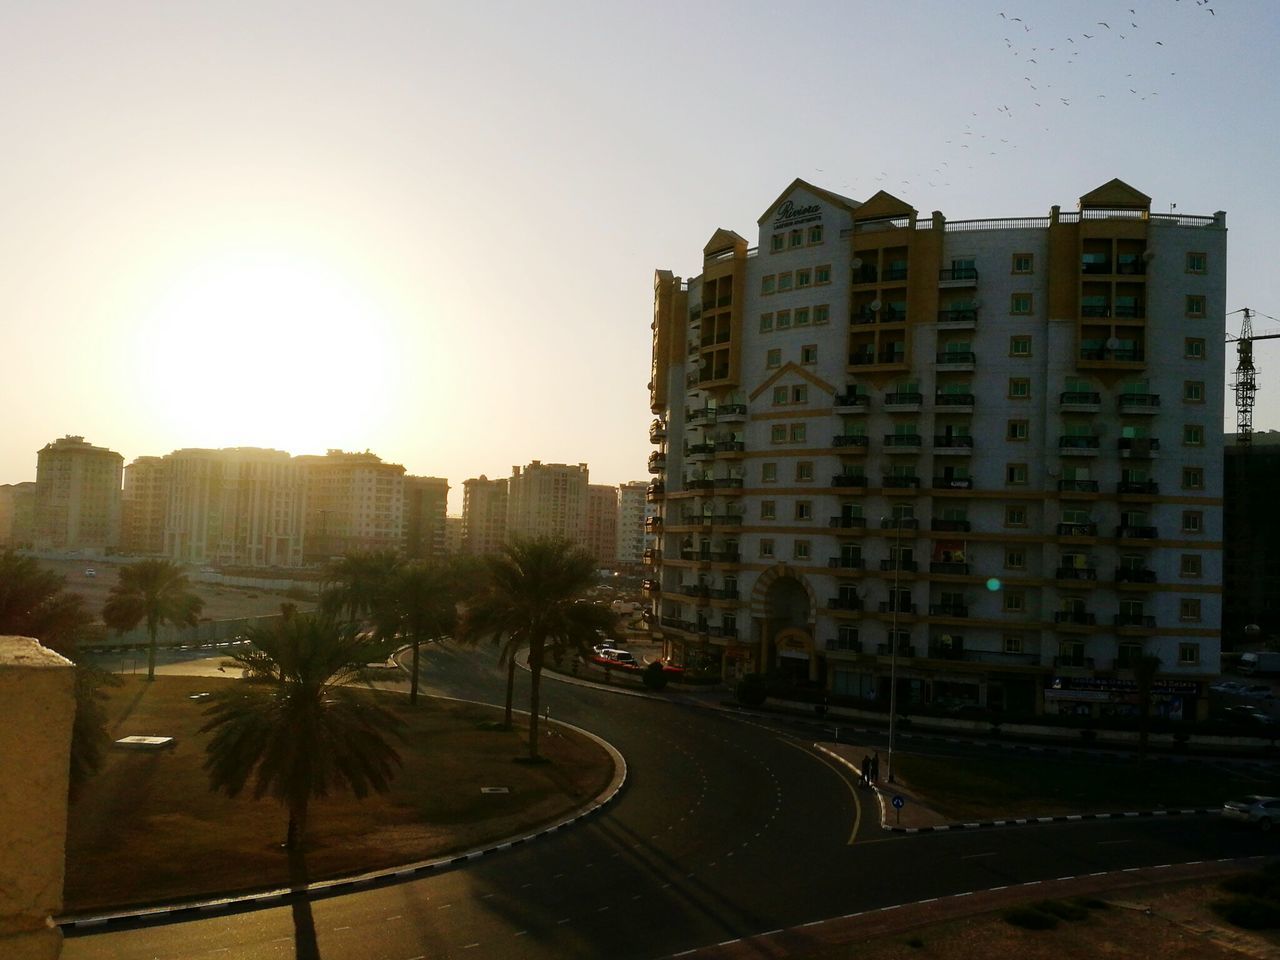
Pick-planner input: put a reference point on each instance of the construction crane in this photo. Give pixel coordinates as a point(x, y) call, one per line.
point(1245, 384)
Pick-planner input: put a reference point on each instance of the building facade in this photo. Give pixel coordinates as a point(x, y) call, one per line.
point(484, 515)
point(548, 500)
point(633, 508)
point(17, 514)
point(426, 501)
point(354, 502)
point(984, 455)
point(601, 537)
point(77, 503)
point(144, 507)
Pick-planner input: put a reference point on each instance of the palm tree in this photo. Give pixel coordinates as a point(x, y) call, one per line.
point(357, 581)
point(419, 603)
point(299, 730)
point(156, 591)
point(535, 597)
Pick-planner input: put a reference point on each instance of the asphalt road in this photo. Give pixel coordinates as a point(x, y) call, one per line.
point(729, 826)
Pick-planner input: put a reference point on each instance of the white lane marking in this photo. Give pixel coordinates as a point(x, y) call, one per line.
point(470, 946)
point(974, 856)
point(561, 922)
point(521, 933)
point(725, 943)
point(485, 896)
point(396, 917)
point(602, 909)
point(444, 906)
point(336, 929)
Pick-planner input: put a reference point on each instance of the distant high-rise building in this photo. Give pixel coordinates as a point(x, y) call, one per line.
point(632, 510)
point(602, 523)
point(354, 502)
point(77, 497)
point(240, 506)
point(484, 515)
point(17, 513)
point(144, 506)
point(548, 500)
point(453, 536)
point(426, 500)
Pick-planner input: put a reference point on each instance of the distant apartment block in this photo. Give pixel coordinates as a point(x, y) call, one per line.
point(602, 523)
point(426, 500)
point(484, 516)
point(17, 513)
point(548, 500)
point(77, 505)
point(453, 536)
point(631, 516)
point(354, 502)
point(144, 507)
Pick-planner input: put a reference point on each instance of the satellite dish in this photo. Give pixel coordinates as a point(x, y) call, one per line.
point(856, 262)
point(875, 306)
point(1112, 343)
point(1148, 255)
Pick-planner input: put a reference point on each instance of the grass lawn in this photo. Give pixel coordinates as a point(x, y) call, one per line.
point(148, 829)
point(983, 788)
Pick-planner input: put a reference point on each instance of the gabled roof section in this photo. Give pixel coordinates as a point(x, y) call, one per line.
point(883, 206)
point(797, 184)
point(792, 367)
point(723, 240)
point(1116, 195)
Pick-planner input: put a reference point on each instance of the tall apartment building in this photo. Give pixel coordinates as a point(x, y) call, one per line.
point(144, 507)
point(632, 511)
point(77, 504)
point(601, 534)
point(239, 506)
point(453, 536)
point(985, 454)
point(484, 515)
point(17, 513)
point(548, 500)
point(354, 502)
point(426, 500)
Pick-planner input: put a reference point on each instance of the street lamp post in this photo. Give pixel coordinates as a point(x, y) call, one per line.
point(893, 641)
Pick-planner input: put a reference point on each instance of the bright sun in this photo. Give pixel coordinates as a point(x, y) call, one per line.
point(263, 349)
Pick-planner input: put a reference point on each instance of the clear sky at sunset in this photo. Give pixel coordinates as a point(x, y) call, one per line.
point(429, 229)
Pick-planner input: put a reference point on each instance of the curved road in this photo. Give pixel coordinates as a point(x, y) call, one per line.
point(729, 826)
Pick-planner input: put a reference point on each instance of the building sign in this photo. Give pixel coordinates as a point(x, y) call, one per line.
point(790, 215)
point(1119, 685)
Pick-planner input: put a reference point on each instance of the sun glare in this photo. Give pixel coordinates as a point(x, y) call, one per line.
point(263, 349)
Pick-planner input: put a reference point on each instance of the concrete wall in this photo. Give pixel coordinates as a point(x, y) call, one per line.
point(37, 706)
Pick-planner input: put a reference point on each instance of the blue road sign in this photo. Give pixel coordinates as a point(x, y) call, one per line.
point(898, 802)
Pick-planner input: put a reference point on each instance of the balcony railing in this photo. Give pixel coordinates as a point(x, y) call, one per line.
point(1095, 266)
point(729, 411)
point(849, 480)
point(953, 399)
point(894, 273)
point(948, 610)
point(731, 482)
point(957, 316)
point(1076, 573)
point(892, 356)
point(846, 523)
point(948, 566)
point(1073, 661)
point(1138, 486)
point(654, 491)
point(958, 273)
point(1134, 620)
point(1078, 443)
point(956, 356)
point(657, 431)
point(1079, 398)
point(895, 482)
point(842, 646)
point(844, 603)
point(903, 399)
point(906, 566)
point(1095, 310)
point(698, 450)
point(888, 607)
point(862, 359)
point(852, 400)
point(1077, 529)
point(1134, 575)
point(953, 440)
point(866, 274)
point(1138, 446)
point(1126, 532)
point(847, 563)
point(902, 440)
point(723, 593)
point(904, 523)
point(1078, 486)
point(1078, 617)
point(1138, 401)
point(730, 446)
point(953, 483)
point(850, 440)
point(904, 650)
point(949, 524)
point(946, 651)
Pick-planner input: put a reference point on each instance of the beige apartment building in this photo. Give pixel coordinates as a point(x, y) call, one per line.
point(426, 501)
point(144, 507)
point(602, 523)
point(354, 502)
point(77, 502)
point(633, 508)
point(17, 513)
point(548, 500)
point(484, 515)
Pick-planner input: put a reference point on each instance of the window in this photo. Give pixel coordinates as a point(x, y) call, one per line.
point(847, 638)
point(1195, 305)
point(766, 322)
point(766, 548)
point(1015, 558)
point(798, 433)
point(1015, 516)
point(1015, 601)
point(1189, 565)
point(768, 509)
point(785, 281)
point(800, 393)
point(802, 316)
point(1192, 521)
point(768, 473)
point(779, 396)
point(1189, 653)
point(804, 471)
point(773, 358)
point(809, 354)
point(768, 284)
point(1017, 430)
point(1192, 478)
point(1019, 346)
point(804, 277)
point(1023, 263)
point(804, 509)
point(1193, 348)
point(778, 432)
point(783, 319)
point(775, 243)
point(1012, 643)
point(1192, 435)
point(1019, 388)
point(821, 313)
point(1193, 391)
point(795, 238)
point(1015, 474)
point(1189, 609)
point(1197, 262)
point(815, 234)
point(1020, 303)
point(822, 274)
point(800, 550)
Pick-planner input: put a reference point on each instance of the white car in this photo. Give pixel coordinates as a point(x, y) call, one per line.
point(1229, 686)
point(1254, 809)
point(90, 572)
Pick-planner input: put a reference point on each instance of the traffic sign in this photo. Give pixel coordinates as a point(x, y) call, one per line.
point(898, 802)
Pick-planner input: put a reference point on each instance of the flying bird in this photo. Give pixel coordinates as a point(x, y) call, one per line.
point(1159, 43)
point(1087, 36)
point(1101, 24)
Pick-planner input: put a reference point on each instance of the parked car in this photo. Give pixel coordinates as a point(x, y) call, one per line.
point(612, 656)
point(1253, 809)
point(1248, 713)
point(90, 572)
point(1229, 686)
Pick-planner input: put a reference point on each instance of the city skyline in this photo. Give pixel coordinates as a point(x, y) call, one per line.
point(303, 238)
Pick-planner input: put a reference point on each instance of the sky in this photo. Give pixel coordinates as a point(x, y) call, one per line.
point(429, 229)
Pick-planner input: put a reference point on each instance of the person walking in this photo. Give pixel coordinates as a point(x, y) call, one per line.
point(875, 767)
point(866, 770)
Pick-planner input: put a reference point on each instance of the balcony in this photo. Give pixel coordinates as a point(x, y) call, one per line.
point(1134, 575)
point(675, 623)
point(650, 586)
point(1080, 662)
point(904, 650)
point(700, 415)
point(893, 274)
point(1137, 447)
point(1077, 618)
point(848, 523)
point(731, 412)
point(650, 556)
point(1077, 486)
point(653, 525)
point(1096, 265)
point(729, 447)
point(886, 607)
point(906, 566)
point(902, 402)
point(903, 442)
point(862, 316)
point(700, 451)
point(1102, 355)
point(720, 630)
point(851, 402)
point(1078, 401)
point(844, 603)
point(958, 319)
point(867, 273)
point(1079, 446)
point(1095, 310)
point(948, 566)
point(1076, 573)
point(1077, 529)
point(851, 440)
point(953, 483)
point(958, 277)
point(657, 462)
point(951, 525)
point(847, 563)
point(1138, 403)
point(699, 590)
point(726, 520)
point(1129, 311)
point(654, 492)
point(1125, 532)
point(957, 359)
point(1146, 487)
point(849, 480)
point(726, 483)
point(1138, 620)
point(657, 431)
point(899, 482)
point(953, 444)
point(698, 483)
point(903, 523)
point(892, 356)
point(954, 402)
point(842, 646)
point(862, 358)
point(723, 593)
point(947, 651)
point(948, 610)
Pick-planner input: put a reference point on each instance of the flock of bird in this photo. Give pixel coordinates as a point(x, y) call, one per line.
point(1050, 84)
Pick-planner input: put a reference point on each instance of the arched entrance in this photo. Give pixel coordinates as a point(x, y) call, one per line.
point(783, 610)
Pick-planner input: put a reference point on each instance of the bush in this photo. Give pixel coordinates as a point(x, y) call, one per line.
point(752, 690)
point(1251, 913)
point(654, 677)
point(1265, 885)
point(1061, 910)
point(1029, 918)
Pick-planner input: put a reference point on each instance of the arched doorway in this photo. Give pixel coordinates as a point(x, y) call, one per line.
point(783, 610)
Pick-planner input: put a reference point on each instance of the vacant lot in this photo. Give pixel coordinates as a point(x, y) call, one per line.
point(148, 829)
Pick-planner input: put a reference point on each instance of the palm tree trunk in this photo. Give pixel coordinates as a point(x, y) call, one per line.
point(535, 685)
point(511, 690)
point(413, 680)
point(151, 648)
